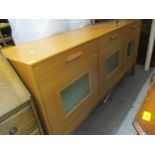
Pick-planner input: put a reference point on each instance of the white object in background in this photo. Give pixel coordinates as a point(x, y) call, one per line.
point(77, 23)
point(30, 29)
point(150, 46)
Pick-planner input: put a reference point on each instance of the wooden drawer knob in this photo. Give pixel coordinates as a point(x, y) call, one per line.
point(13, 131)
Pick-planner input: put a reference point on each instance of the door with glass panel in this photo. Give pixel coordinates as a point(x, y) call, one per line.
point(110, 64)
point(131, 46)
point(71, 93)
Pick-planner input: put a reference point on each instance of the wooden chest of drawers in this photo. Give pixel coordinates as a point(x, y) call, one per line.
point(17, 113)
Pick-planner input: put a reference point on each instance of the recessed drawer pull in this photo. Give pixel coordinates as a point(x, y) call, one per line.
point(114, 37)
point(75, 56)
point(13, 131)
point(134, 26)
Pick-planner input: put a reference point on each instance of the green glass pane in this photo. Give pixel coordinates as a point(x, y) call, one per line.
point(130, 47)
point(73, 94)
point(111, 63)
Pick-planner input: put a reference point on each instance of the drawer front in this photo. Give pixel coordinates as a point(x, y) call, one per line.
point(131, 49)
point(110, 65)
point(22, 123)
point(66, 61)
point(133, 28)
point(110, 38)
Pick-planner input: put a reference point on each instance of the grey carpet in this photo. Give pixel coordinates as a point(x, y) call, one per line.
point(116, 115)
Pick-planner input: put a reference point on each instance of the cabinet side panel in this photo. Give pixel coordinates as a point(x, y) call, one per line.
point(26, 74)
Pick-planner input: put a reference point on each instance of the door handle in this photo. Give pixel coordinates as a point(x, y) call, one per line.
point(114, 37)
point(134, 26)
point(74, 56)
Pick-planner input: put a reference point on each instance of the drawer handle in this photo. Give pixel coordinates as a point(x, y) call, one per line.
point(134, 26)
point(114, 37)
point(13, 131)
point(75, 56)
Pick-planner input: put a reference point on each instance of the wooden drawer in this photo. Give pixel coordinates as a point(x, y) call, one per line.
point(36, 132)
point(110, 38)
point(21, 123)
point(132, 28)
point(66, 61)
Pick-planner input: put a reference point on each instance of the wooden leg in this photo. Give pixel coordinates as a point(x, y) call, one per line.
point(133, 70)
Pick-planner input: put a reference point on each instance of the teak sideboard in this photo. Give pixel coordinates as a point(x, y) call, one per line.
point(70, 73)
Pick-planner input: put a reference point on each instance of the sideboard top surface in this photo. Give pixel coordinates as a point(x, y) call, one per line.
point(36, 51)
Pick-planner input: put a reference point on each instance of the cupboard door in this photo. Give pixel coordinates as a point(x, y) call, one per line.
point(110, 64)
point(131, 47)
point(68, 95)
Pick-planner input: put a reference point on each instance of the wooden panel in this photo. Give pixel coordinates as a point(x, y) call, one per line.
point(110, 38)
point(21, 123)
point(133, 28)
point(130, 56)
point(54, 86)
point(65, 62)
point(107, 81)
point(27, 74)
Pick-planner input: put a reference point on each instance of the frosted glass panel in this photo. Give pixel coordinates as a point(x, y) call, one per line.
point(73, 94)
point(111, 63)
point(130, 47)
